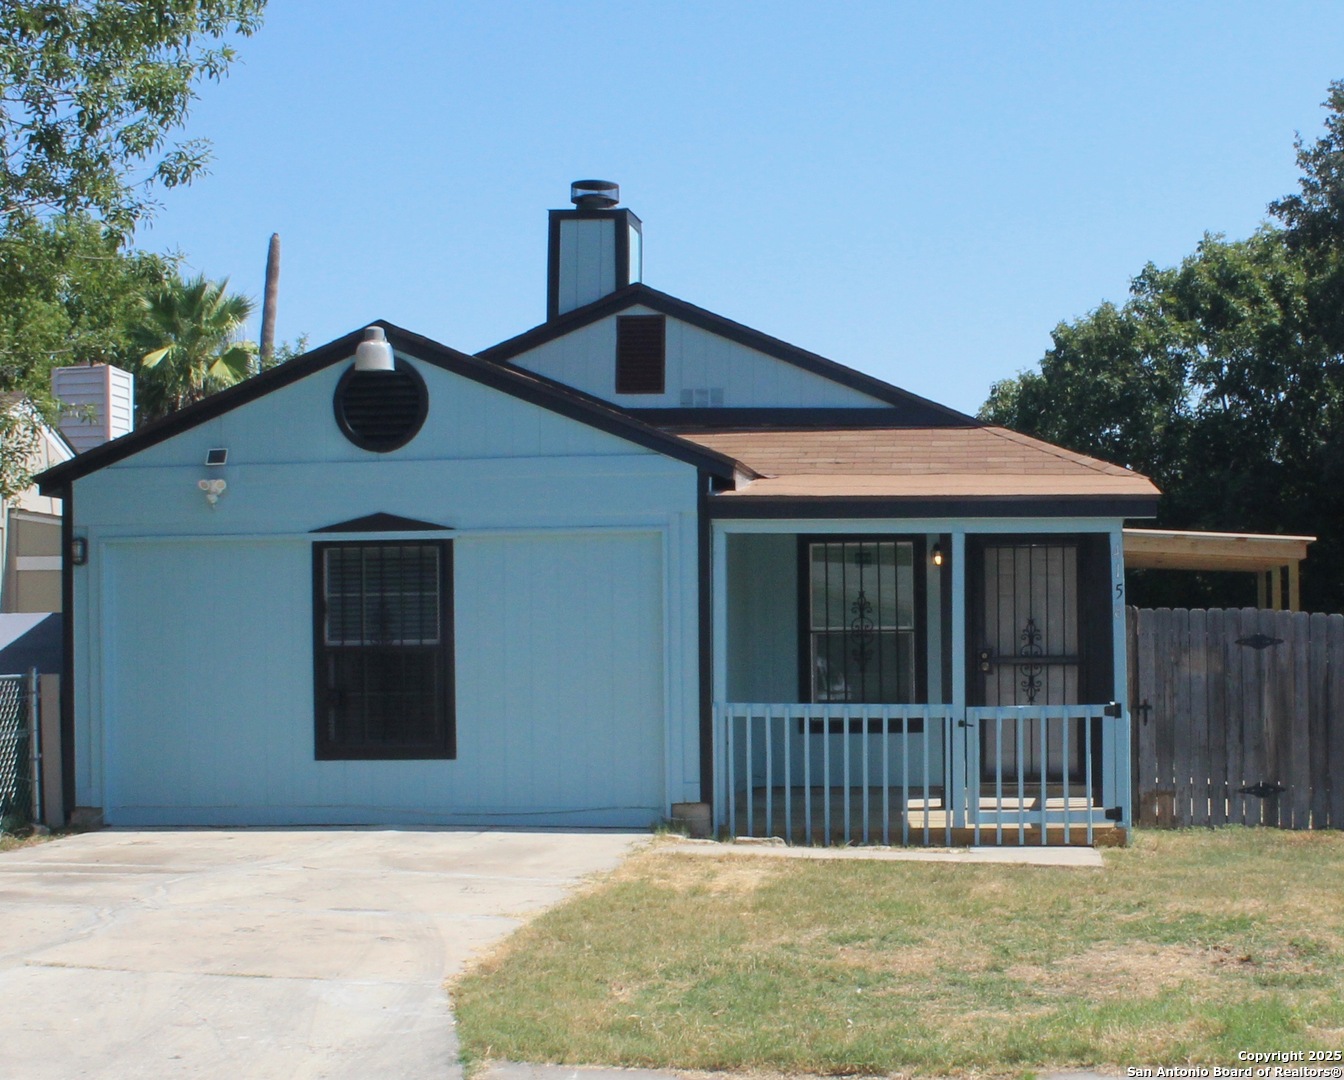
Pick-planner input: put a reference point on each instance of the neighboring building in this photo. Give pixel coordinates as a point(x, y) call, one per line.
point(637, 557)
point(100, 400)
point(30, 538)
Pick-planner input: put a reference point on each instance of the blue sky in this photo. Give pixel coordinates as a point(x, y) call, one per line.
point(921, 191)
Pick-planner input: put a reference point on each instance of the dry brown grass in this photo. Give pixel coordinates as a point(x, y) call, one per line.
point(1187, 948)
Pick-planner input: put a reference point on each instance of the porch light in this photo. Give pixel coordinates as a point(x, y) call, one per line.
point(79, 550)
point(937, 555)
point(374, 353)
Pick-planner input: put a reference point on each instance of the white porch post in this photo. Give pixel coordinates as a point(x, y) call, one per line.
point(957, 764)
point(719, 651)
point(1116, 780)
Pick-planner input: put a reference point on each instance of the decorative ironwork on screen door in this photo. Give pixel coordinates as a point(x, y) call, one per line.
point(1029, 651)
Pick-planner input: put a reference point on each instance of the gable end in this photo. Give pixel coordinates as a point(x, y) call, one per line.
point(517, 383)
point(915, 411)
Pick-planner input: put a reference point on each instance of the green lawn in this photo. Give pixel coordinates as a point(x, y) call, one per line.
point(1187, 947)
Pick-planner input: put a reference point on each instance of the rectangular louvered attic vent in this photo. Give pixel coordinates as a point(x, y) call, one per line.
point(641, 366)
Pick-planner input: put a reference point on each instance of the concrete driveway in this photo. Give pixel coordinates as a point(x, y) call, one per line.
point(261, 953)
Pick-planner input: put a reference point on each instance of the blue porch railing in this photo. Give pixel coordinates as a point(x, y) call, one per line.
point(920, 774)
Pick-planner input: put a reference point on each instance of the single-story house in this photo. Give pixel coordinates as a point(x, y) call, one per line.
point(638, 558)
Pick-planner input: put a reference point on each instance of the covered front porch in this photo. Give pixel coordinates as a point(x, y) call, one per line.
point(933, 682)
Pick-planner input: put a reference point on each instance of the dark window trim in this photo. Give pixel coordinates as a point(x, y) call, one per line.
point(631, 374)
point(836, 725)
point(338, 402)
point(383, 522)
point(323, 750)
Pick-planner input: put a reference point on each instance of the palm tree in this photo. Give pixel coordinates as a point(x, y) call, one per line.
point(191, 330)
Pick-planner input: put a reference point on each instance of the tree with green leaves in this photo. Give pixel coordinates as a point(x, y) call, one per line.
point(1222, 379)
point(92, 90)
point(92, 93)
point(191, 332)
point(70, 293)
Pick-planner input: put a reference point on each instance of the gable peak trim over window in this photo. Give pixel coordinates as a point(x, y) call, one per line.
point(383, 522)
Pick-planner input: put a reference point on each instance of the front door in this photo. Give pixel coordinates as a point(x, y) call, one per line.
point(1026, 636)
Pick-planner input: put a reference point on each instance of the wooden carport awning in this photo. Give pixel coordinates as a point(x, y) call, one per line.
point(1269, 557)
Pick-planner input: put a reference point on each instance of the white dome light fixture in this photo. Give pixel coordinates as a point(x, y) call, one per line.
point(374, 353)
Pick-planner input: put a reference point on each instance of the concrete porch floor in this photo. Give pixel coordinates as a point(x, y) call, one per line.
point(917, 819)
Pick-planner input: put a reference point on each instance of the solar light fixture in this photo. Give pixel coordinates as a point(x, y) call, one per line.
point(374, 353)
point(937, 555)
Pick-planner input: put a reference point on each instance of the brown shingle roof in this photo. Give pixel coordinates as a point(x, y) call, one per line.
point(897, 462)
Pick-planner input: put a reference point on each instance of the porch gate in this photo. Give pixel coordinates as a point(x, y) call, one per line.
point(1238, 717)
point(20, 795)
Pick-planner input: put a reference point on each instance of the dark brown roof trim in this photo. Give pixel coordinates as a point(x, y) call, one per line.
point(730, 419)
point(382, 522)
point(524, 385)
point(918, 411)
point(771, 507)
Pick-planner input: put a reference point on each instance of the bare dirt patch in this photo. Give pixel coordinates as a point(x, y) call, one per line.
point(1113, 971)
point(726, 876)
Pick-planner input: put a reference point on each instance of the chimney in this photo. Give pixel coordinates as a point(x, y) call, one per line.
point(108, 391)
point(594, 249)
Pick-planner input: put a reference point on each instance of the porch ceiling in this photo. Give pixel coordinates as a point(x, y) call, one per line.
point(1159, 549)
point(895, 462)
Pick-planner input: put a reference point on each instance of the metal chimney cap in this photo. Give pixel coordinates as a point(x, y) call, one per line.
point(594, 194)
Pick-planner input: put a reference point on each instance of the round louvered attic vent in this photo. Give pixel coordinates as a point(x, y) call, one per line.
point(381, 410)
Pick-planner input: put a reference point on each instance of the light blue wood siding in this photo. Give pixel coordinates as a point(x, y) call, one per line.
point(587, 265)
point(575, 616)
point(560, 688)
point(763, 618)
point(696, 361)
point(561, 669)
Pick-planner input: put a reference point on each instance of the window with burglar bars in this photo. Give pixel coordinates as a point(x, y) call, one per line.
point(384, 648)
point(862, 624)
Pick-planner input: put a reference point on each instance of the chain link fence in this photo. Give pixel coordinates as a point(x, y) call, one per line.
point(18, 722)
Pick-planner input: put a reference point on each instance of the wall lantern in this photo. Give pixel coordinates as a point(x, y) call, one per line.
point(79, 550)
point(374, 353)
point(937, 555)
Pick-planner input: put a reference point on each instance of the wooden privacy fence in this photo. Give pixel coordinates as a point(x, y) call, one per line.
point(1237, 717)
